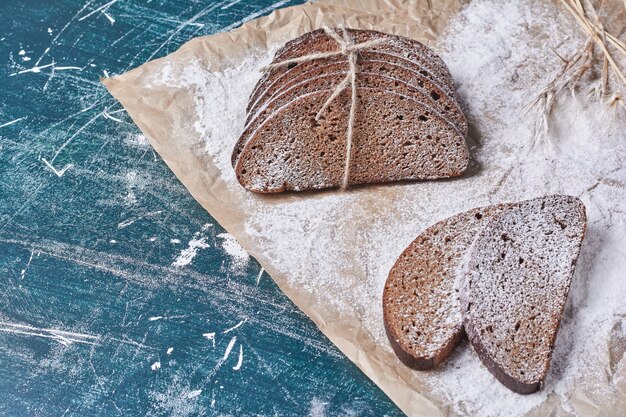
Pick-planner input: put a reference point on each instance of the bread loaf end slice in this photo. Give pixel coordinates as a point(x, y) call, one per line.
point(518, 277)
point(421, 303)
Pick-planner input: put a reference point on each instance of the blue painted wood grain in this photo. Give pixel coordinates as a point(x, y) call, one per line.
point(91, 301)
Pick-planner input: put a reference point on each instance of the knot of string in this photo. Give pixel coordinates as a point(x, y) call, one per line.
point(348, 48)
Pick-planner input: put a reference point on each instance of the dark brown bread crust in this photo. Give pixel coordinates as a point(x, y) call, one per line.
point(318, 41)
point(363, 80)
point(422, 363)
point(410, 48)
point(512, 310)
point(395, 138)
point(544, 234)
point(419, 134)
point(495, 369)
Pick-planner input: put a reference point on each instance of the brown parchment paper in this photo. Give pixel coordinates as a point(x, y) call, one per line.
point(165, 114)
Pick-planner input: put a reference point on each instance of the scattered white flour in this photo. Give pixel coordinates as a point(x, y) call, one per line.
point(336, 248)
point(239, 360)
point(317, 408)
point(136, 140)
point(210, 336)
point(235, 327)
point(132, 180)
point(229, 348)
point(194, 393)
point(199, 241)
point(22, 53)
point(239, 257)
point(500, 55)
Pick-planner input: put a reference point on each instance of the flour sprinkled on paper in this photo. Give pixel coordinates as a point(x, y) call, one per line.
point(501, 55)
point(334, 250)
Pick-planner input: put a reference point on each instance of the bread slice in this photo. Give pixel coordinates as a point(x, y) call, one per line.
point(430, 64)
point(321, 66)
point(329, 81)
point(518, 276)
point(395, 138)
point(420, 54)
point(421, 304)
point(432, 93)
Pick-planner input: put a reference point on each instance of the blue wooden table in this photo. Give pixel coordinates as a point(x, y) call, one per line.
point(120, 295)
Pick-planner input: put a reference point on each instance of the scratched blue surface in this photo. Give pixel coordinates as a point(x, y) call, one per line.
point(96, 318)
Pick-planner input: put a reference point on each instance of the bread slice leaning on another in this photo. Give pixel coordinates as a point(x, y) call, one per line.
point(518, 276)
point(395, 138)
point(421, 304)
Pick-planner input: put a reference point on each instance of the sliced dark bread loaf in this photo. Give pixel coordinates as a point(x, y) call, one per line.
point(433, 95)
point(363, 80)
point(320, 66)
point(421, 305)
point(323, 43)
point(518, 276)
point(431, 65)
point(395, 138)
point(429, 93)
point(319, 41)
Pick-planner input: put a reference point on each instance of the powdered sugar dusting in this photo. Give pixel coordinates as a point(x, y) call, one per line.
point(336, 249)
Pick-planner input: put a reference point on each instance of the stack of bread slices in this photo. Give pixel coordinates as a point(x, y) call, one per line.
point(500, 274)
point(407, 122)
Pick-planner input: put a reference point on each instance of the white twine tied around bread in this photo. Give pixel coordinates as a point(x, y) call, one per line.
point(349, 49)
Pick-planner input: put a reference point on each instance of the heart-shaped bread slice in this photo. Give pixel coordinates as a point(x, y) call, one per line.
point(518, 276)
point(421, 305)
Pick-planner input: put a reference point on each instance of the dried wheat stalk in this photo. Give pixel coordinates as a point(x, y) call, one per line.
point(583, 60)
